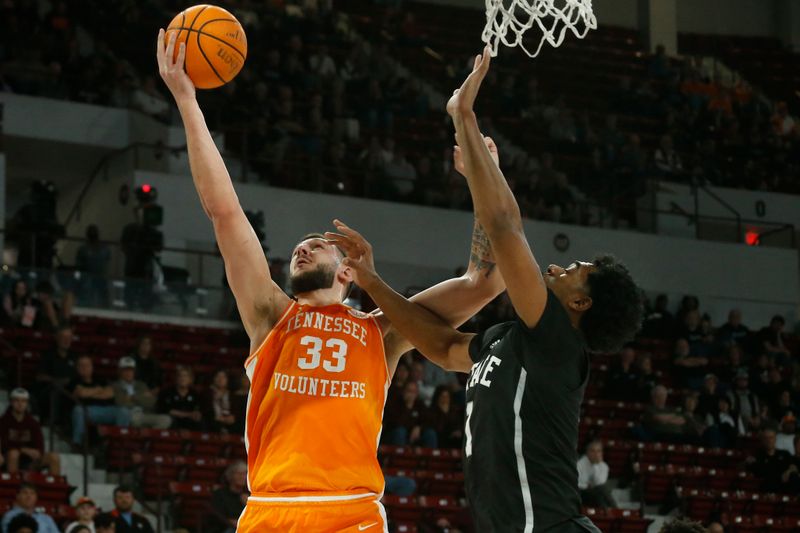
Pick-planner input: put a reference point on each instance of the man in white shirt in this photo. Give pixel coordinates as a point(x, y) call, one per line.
point(592, 477)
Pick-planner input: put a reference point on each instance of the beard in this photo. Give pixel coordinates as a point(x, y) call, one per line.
point(320, 278)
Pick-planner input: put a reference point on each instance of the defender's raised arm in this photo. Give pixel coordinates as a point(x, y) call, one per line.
point(494, 203)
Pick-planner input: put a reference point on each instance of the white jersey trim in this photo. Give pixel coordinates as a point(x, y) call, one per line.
point(523, 476)
point(300, 499)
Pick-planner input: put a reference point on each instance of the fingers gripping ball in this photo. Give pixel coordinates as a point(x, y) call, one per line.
point(216, 45)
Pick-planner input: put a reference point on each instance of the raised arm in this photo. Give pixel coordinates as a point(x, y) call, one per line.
point(430, 334)
point(494, 203)
point(259, 299)
point(457, 299)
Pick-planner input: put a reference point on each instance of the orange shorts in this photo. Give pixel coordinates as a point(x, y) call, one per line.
point(360, 516)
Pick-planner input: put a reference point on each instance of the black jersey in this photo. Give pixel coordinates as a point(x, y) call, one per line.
point(524, 394)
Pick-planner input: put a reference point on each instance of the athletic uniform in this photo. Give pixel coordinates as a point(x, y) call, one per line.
point(524, 395)
point(318, 387)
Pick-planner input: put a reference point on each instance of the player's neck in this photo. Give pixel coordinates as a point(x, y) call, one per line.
point(320, 297)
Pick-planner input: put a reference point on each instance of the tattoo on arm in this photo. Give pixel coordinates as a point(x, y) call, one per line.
point(481, 250)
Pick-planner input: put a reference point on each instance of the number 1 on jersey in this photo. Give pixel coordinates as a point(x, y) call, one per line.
point(468, 431)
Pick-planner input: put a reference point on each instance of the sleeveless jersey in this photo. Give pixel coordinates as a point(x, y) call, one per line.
point(318, 387)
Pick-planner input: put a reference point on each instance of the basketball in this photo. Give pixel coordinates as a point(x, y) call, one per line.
point(216, 45)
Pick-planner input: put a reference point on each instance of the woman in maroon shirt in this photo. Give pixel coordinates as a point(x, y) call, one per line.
point(444, 419)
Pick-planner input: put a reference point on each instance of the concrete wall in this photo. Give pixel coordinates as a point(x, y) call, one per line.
point(419, 245)
point(762, 210)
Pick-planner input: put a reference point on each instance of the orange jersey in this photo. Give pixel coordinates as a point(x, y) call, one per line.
point(318, 387)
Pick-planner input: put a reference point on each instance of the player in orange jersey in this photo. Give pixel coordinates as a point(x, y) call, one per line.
point(319, 370)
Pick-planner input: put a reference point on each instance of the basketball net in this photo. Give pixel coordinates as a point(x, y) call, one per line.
point(508, 20)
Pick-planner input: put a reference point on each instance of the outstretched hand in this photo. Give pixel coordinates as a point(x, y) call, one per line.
point(358, 251)
point(458, 158)
point(170, 66)
point(464, 98)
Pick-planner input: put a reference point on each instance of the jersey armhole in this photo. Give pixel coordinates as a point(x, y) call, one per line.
point(377, 323)
point(292, 304)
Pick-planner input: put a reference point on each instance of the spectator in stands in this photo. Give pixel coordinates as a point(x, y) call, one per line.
point(659, 323)
point(126, 520)
point(25, 503)
point(23, 523)
point(715, 527)
point(19, 306)
point(95, 401)
point(593, 477)
point(773, 340)
point(647, 379)
point(724, 427)
point(689, 303)
point(147, 368)
point(134, 396)
point(400, 485)
point(773, 390)
point(425, 390)
point(402, 174)
point(321, 63)
point(149, 100)
point(786, 404)
point(56, 369)
point(52, 313)
point(733, 365)
point(182, 401)
point(86, 510)
point(623, 378)
point(744, 403)
point(658, 67)
point(759, 375)
point(700, 337)
point(733, 331)
point(403, 419)
point(785, 437)
point(660, 422)
point(105, 523)
point(783, 124)
point(217, 404)
point(21, 438)
point(443, 420)
point(92, 260)
point(401, 376)
point(689, 369)
point(707, 402)
point(227, 502)
point(775, 467)
point(695, 423)
point(666, 159)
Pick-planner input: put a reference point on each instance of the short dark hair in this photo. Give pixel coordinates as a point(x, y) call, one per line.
point(682, 525)
point(25, 485)
point(23, 520)
point(104, 520)
point(122, 488)
point(779, 319)
point(616, 312)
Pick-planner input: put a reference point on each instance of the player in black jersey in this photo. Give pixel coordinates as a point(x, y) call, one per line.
point(527, 376)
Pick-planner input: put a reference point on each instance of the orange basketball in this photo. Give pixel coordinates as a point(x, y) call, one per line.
point(216, 45)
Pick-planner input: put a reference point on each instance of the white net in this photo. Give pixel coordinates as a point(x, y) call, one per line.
point(508, 20)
